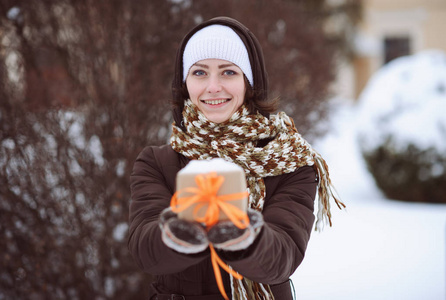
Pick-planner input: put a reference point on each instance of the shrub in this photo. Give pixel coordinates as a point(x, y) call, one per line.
point(403, 129)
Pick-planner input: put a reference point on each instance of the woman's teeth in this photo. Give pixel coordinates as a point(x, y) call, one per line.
point(215, 102)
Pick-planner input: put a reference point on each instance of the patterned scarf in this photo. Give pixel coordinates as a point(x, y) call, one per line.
point(235, 141)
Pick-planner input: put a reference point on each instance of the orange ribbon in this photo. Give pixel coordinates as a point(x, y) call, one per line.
point(206, 194)
point(216, 261)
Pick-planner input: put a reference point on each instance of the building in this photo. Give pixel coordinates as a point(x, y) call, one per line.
point(390, 29)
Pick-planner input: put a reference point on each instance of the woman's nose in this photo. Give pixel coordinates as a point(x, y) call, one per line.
point(214, 85)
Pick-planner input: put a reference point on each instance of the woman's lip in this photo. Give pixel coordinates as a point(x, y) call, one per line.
point(215, 101)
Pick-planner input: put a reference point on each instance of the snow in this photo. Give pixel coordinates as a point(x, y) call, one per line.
point(120, 168)
point(407, 99)
point(8, 144)
point(212, 165)
point(366, 45)
point(13, 13)
point(109, 286)
point(95, 148)
point(378, 248)
point(73, 123)
point(120, 231)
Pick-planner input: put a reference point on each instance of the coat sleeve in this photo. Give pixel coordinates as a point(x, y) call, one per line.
point(280, 247)
point(150, 193)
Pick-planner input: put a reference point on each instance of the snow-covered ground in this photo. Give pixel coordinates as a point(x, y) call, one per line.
point(377, 248)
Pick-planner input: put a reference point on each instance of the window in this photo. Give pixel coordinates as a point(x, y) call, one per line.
point(395, 47)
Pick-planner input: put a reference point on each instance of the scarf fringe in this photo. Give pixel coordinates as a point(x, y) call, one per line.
point(246, 289)
point(326, 190)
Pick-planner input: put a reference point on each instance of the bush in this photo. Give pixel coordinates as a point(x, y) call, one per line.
point(403, 134)
point(415, 174)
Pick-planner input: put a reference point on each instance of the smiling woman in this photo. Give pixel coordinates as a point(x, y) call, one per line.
point(221, 111)
point(217, 88)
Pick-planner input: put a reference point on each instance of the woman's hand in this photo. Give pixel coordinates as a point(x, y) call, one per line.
point(181, 235)
point(191, 237)
point(226, 236)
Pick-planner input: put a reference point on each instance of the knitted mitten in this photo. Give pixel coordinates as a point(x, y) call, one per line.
point(226, 236)
point(181, 235)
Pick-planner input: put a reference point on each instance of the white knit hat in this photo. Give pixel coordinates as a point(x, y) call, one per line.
point(218, 42)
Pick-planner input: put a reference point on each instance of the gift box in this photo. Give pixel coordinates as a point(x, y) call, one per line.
point(199, 174)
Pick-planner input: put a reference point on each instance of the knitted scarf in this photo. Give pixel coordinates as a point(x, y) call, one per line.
point(235, 140)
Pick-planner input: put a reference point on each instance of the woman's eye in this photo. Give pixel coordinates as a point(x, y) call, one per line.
point(198, 73)
point(229, 72)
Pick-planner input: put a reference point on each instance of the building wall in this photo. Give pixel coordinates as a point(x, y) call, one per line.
point(422, 22)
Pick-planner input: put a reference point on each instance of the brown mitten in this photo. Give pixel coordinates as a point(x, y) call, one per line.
point(180, 235)
point(226, 236)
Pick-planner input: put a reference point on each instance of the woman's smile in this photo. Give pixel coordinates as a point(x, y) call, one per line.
point(215, 102)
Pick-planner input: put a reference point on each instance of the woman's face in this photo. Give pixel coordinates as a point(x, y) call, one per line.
point(216, 87)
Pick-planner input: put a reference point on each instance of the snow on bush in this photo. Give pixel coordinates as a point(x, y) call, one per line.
point(407, 99)
point(402, 131)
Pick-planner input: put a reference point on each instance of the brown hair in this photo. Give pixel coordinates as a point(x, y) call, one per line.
point(264, 106)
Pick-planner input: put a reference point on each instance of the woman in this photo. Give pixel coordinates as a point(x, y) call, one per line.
point(221, 110)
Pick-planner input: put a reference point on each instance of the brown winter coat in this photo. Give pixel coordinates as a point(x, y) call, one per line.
point(274, 256)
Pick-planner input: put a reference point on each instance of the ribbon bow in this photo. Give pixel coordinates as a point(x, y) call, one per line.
point(204, 194)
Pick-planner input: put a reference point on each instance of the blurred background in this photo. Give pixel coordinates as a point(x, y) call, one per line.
point(85, 86)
